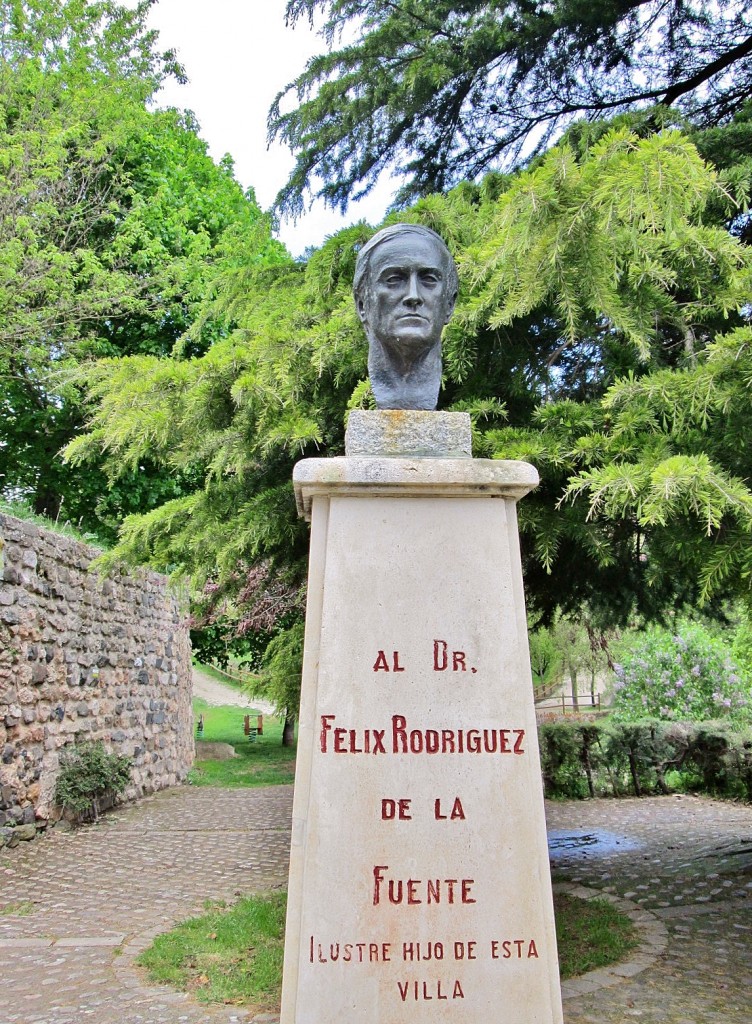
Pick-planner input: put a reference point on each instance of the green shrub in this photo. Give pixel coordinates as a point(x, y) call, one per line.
point(570, 758)
point(638, 753)
point(719, 761)
point(88, 774)
point(618, 758)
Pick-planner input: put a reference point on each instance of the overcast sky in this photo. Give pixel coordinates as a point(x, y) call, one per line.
point(238, 54)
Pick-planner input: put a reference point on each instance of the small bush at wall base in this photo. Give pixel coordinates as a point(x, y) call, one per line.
point(89, 774)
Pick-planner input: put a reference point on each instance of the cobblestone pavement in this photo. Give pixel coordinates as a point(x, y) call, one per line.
point(93, 898)
point(98, 895)
point(690, 869)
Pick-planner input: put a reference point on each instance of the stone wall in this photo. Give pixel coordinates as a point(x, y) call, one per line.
point(83, 658)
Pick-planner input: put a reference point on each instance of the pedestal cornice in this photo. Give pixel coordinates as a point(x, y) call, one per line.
point(421, 477)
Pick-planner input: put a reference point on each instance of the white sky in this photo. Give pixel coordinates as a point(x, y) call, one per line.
point(238, 54)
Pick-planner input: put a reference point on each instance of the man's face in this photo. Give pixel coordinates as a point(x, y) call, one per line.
point(405, 305)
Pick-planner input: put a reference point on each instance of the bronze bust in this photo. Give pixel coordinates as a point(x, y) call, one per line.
point(405, 289)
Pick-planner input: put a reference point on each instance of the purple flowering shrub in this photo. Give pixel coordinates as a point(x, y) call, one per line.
point(686, 674)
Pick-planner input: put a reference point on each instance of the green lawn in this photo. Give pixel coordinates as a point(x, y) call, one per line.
point(590, 934)
point(264, 762)
point(225, 956)
point(235, 955)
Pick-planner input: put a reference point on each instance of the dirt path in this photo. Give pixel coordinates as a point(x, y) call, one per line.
point(214, 692)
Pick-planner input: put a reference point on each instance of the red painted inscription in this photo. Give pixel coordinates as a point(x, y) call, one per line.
point(457, 812)
point(382, 665)
point(350, 741)
point(391, 809)
point(349, 952)
point(428, 951)
point(413, 892)
point(514, 949)
point(420, 990)
point(404, 740)
point(443, 658)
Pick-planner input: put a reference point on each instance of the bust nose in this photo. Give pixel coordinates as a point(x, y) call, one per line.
point(413, 296)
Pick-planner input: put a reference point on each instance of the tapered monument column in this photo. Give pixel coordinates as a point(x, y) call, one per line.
point(419, 878)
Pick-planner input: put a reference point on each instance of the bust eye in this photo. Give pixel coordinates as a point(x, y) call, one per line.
point(395, 278)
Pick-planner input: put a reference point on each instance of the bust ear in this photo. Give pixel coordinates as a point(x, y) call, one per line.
point(450, 303)
point(360, 305)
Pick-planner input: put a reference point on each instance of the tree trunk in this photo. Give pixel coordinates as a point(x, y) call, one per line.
point(633, 772)
point(588, 766)
point(47, 502)
point(659, 768)
point(288, 732)
point(575, 697)
point(612, 775)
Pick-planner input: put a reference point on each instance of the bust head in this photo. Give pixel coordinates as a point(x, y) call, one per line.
point(405, 288)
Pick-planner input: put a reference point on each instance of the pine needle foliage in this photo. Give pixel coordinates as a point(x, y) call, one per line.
point(443, 92)
point(617, 234)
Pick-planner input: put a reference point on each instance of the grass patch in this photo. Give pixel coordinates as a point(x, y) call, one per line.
point(235, 955)
point(264, 762)
point(22, 510)
point(590, 934)
point(22, 908)
point(225, 956)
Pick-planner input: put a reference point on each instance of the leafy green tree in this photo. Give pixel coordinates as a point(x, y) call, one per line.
point(742, 643)
point(647, 310)
point(73, 79)
point(110, 219)
point(444, 91)
point(280, 681)
point(237, 418)
point(545, 661)
point(578, 654)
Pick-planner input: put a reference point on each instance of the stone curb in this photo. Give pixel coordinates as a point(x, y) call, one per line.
point(74, 941)
point(653, 940)
point(127, 974)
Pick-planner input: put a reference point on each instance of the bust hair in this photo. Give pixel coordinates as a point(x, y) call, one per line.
point(361, 279)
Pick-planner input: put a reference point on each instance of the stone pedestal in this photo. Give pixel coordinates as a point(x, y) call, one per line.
point(419, 878)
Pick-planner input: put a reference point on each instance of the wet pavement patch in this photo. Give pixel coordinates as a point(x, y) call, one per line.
point(583, 843)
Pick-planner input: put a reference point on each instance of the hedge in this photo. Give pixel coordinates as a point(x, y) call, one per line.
point(587, 758)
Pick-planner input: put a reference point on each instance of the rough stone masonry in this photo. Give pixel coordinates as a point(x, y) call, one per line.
point(82, 658)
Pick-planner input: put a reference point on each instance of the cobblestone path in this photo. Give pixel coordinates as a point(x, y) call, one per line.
point(691, 870)
point(98, 895)
point(95, 897)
